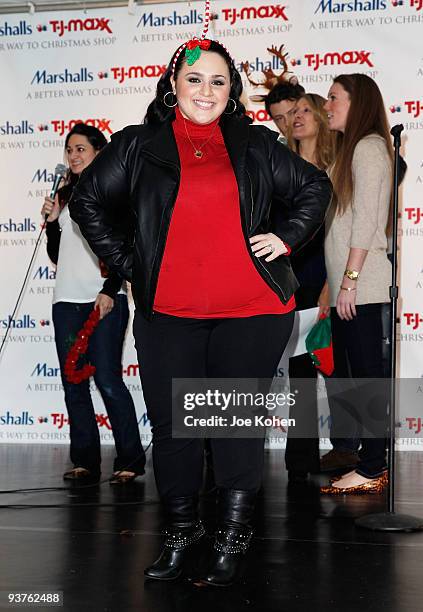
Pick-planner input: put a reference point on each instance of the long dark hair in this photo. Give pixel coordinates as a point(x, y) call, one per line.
point(158, 112)
point(96, 139)
point(366, 115)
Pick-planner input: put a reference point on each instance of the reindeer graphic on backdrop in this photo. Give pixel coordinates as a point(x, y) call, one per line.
point(270, 77)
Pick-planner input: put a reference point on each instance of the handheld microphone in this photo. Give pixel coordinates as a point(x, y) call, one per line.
point(59, 174)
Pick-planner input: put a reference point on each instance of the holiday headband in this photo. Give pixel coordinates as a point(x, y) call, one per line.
point(271, 79)
point(194, 46)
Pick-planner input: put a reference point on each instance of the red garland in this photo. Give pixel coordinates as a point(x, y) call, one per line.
point(78, 348)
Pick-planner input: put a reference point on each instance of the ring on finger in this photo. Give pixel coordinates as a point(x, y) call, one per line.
point(271, 247)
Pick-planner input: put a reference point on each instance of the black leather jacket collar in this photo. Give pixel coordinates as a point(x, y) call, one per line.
point(139, 173)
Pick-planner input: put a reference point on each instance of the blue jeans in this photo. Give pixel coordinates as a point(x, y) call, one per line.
point(105, 353)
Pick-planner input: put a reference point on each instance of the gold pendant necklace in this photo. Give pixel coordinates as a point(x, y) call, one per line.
point(198, 153)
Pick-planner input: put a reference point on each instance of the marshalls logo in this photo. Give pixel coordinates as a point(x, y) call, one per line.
point(21, 29)
point(16, 419)
point(50, 78)
point(23, 225)
point(356, 6)
point(44, 273)
point(172, 19)
point(9, 128)
point(42, 369)
point(23, 322)
point(259, 64)
point(42, 175)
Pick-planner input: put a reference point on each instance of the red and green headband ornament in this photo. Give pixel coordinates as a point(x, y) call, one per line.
point(194, 46)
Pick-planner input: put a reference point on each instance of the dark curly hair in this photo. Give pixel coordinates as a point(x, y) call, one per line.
point(96, 138)
point(283, 91)
point(158, 112)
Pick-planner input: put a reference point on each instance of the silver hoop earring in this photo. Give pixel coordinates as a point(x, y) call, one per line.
point(234, 108)
point(164, 100)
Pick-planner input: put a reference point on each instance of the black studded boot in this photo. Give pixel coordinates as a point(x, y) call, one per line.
point(183, 531)
point(233, 536)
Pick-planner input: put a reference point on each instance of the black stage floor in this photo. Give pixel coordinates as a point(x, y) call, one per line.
point(307, 554)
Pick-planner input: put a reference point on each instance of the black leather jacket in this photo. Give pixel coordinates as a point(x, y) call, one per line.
point(124, 201)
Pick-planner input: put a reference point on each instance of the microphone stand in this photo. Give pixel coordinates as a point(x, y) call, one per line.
point(59, 174)
point(22, 289)
point(390, 520)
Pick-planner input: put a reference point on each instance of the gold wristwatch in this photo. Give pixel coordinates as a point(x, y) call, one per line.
point(352, 274)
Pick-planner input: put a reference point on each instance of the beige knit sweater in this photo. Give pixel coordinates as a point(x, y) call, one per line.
point(363, 225)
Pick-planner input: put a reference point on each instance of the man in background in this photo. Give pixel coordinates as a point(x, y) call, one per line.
point(280, 103)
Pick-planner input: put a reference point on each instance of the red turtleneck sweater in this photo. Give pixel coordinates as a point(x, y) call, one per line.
point(206, 270)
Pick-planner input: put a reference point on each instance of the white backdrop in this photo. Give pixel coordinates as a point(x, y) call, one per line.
point(101, 66)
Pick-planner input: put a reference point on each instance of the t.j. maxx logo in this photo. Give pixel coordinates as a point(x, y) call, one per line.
point(270, 11)
point(416, 4)
point(98, 24)
point(315, 60)
point(414, 214)
point(60, 126)
point(414, 107)
point(137, 72)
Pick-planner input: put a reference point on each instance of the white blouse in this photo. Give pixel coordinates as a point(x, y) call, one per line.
point(78, 276)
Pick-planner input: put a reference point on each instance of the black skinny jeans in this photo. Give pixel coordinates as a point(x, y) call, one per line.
point(175, 347)
point(357, 352)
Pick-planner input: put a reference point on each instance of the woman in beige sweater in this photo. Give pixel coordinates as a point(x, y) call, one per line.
point(358, 269)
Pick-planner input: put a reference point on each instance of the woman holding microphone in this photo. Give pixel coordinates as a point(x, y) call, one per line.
point(80, 287)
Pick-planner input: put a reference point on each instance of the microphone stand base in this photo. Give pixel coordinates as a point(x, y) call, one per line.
point(390, 521)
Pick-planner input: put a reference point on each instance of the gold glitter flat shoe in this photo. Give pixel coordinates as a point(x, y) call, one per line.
point(384, 476)
point(374, 486)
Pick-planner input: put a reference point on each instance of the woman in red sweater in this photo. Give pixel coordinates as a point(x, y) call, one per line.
point(215, 204)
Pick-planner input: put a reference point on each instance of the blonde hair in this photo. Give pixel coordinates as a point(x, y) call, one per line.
point(326, 140)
